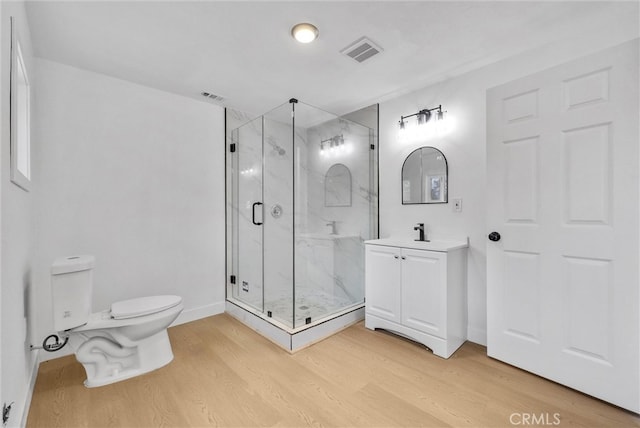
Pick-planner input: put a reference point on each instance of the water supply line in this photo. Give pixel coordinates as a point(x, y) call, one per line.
point(53, 343)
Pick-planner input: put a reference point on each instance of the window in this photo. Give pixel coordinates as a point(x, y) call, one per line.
point(20, 115)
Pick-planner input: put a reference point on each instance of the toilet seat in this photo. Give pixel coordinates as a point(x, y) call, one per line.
point(142, 306)
point(104, 320)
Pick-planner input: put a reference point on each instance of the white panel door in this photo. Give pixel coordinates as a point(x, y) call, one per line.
point(562, 180)
point(424, 299)
point(383, 277)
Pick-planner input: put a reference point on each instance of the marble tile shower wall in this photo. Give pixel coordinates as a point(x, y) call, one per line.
point(353, 223)
point(350, 220)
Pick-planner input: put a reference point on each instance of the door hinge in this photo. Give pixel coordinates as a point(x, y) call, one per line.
point(372, 146)
point(232, 278)
point(232, 147)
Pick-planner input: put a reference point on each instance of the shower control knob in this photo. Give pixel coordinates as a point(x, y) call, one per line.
point(276, 211)
point(494, 236)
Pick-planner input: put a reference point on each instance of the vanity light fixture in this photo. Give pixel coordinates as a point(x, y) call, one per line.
point(423, 116)
point(304, 32)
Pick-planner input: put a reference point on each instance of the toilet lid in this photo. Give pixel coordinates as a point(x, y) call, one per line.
point(143, 306)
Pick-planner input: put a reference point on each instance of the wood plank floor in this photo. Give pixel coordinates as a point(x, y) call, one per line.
point(226, 375)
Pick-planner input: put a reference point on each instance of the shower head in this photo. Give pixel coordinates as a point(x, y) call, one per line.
point(272, 142)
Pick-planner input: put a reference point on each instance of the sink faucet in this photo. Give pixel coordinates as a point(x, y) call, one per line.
point(334, 230)
point(420, 229)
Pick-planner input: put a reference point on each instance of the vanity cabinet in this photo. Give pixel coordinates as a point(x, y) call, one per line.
point(418, 290)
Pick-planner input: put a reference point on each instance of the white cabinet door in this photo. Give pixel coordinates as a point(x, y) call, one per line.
point(424, 300)
point(562, 180)
point(382, 276)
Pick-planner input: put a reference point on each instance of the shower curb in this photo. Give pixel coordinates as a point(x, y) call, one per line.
point(295, 340)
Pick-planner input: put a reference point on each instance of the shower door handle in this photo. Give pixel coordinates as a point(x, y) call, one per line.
point(253, 213)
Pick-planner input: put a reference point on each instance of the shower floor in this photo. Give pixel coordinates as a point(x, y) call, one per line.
point(309, 303)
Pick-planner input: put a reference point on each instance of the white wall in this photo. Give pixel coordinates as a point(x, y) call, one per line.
point(2, 142)
point(464, 146)
point(134, 176)
point(18, 361)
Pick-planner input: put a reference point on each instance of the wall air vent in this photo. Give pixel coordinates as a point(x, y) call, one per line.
point(212, 97)
point(361, 50)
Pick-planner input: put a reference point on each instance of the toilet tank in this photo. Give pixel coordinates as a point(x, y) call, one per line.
point(72, 290)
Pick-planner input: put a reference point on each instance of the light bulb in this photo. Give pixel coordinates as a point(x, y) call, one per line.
point(423, 117)
point(443, 126)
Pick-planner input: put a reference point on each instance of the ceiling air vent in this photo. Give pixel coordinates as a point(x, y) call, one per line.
point(361, 50)
point(212, 97)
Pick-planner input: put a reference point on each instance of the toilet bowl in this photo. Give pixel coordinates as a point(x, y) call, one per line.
point(127, 340)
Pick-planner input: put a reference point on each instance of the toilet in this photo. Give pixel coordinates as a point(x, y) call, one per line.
point(127, 340)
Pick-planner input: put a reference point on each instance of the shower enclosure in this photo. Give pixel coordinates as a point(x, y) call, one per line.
point(301, 199)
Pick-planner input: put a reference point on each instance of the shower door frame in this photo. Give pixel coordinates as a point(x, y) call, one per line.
point(232, 216)
point(237, 264)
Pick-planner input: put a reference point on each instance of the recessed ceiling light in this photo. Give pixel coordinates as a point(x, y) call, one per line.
point(305, 32)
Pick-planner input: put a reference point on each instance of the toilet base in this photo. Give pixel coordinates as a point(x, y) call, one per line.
point(106, 361)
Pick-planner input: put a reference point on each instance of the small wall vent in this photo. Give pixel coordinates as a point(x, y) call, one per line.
point(212, 97)
point(361, 50)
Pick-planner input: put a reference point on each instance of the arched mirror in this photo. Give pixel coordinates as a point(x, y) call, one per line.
point(337, 186)
point(424, 177)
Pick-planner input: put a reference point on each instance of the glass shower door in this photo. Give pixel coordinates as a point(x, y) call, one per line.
point(249, 214)
point(262, 235)
point(278, 185)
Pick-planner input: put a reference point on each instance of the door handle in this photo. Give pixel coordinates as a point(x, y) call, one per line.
point(494, 236)
point(253, 213)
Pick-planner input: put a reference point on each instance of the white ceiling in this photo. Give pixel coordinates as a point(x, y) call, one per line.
point(243, 51)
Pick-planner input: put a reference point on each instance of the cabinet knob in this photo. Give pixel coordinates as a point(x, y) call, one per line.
point(395, 257)
point(494, 236)
point(404, 258)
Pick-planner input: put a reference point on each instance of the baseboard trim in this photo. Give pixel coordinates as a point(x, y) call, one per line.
point(199, 313)
point(26, 405)
point(477, 335)
point(46, 356)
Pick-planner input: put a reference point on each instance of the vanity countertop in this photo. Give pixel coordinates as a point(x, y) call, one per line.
point(434, 245)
